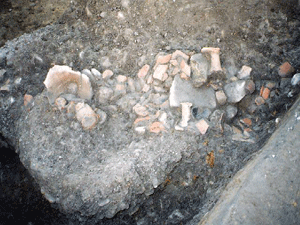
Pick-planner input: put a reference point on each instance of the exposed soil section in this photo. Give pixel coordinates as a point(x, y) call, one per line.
point(123, 36)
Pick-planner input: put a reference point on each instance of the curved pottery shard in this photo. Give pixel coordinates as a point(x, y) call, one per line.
point(63, 80)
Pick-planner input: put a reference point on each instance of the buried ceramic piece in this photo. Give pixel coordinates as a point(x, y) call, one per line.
point(86, 116)
point(186, 113)
point(215, 64)
point(63, 80)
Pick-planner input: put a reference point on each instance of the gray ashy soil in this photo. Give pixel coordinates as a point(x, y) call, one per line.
point(123, 36)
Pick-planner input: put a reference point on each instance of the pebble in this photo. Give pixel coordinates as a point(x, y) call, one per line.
point(60, 103)
point(2, 73)
point(146, 88)
point(199, 67)
point(244, 73)
point(131, 85)
point(235, 91)
point(140, 110)
point(221, 97)
point(96, 73)
point(121, 78)
point(296, 79)
point(102, 116)
point(250, 86)
point(120, 89)
point(202, 126)
point(104, 94)
point(86, 116)
point(140, 130)
point(259, 100)
point(231, 111)
point(107, 74)
point(28, 99)
point(159, 72)
point(286, 70)
point(143, 71)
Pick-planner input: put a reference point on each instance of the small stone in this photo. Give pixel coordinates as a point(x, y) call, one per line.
point(235, 91)
point(250, 86)
point(159, 72)
point(60, 103)
point(231, 112)
point(244, 73)
point(120, 89)
point(71, 109)
point(121, 78)
point(296, 79)
point(96, 73)
point(86, 115)
point(202, 126)
point(2, 73)
point(265, 93)
point(286, 70)
point(199, 66)
point(146, 88)
point(221, 97)
point(157, 127)
point(131, 84)
point(185, 68)
point(217, 119)
point(143, 71)
point(107, 74)
point(140, 130)
point(104, 94)
point(179, 53)
point(28, 99)
point(259, 100)
point(271, 85)
point(102, 116)
point(247, 121)
point(140, 110)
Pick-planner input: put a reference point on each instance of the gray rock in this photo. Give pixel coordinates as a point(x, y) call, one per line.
point(2, 73)
point(235, 91)
point(2, 58)
point(296, 79)
point(183, 91)
point(104, 94)
point(231, 111)
point(200, 69)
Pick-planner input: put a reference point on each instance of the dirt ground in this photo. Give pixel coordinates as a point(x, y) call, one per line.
point(124, 35)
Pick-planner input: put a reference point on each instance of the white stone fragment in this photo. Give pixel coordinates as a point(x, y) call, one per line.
point(244, 73)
